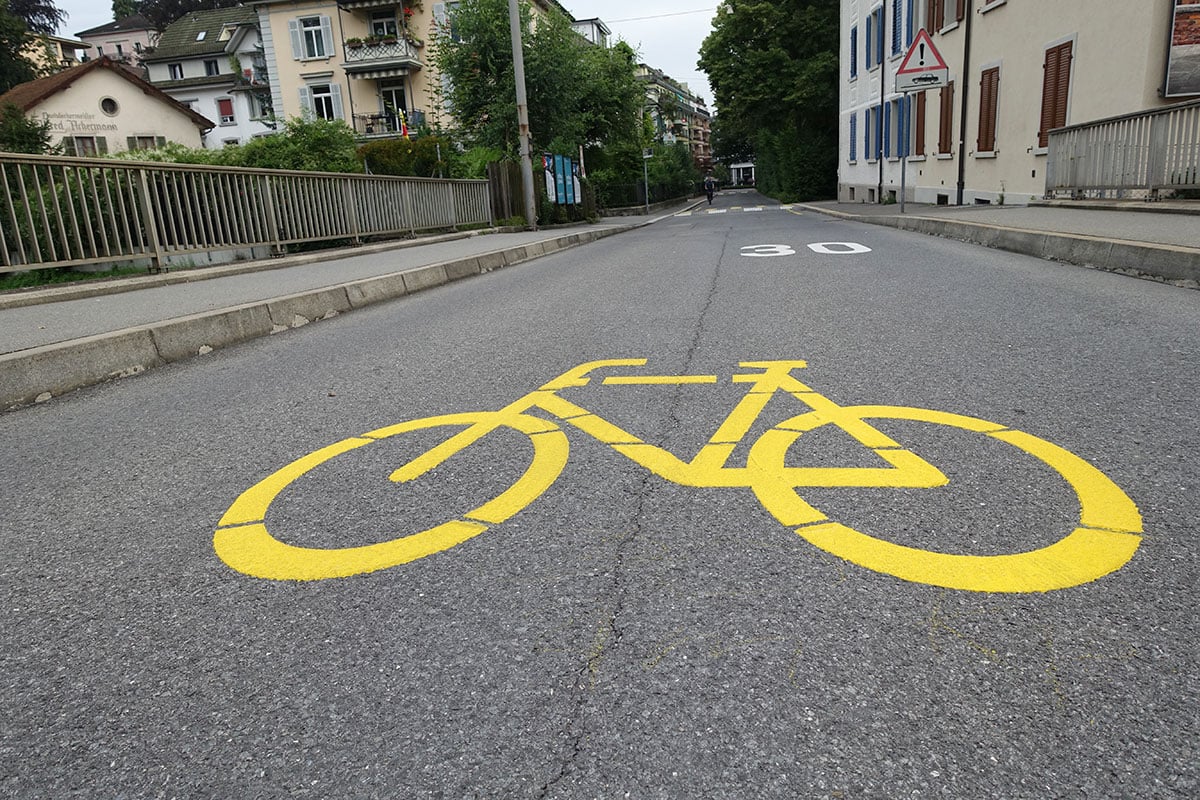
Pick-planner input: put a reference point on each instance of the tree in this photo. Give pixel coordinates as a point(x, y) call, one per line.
point(124, 8)
point(19, 134)
point(14, 69)
point(39, 16)
point(790, 120)
point(578, 94)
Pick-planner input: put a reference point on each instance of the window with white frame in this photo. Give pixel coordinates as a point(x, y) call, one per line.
point(211, 67)
point(312, 37)
point(225, 110)
point(175, 71)
point(383, 23)
point(322, 100)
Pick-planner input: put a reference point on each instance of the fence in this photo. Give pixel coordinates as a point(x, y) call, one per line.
point(1144, 152)
point(57, 212)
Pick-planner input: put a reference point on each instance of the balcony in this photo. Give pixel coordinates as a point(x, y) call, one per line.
point(386, 126)
point(381, 57)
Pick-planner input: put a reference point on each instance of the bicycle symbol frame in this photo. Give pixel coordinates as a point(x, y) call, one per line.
point(1104, 540)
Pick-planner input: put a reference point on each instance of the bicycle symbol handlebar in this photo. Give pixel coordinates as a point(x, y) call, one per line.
point(1104, 539)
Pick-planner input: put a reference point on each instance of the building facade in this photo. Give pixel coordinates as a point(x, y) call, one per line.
point(678, 115)
point(125, 39)
point(105, 107)
point(213, 62)
point(1017, 69)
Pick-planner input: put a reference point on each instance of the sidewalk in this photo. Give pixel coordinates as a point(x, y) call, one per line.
point(1150, 240)
point(58, 339)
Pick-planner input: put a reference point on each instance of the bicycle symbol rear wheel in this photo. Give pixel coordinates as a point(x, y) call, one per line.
point(1103, 541)
point(244, 543)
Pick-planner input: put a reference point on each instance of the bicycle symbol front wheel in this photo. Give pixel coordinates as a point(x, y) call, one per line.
point(1103, 541)
point(244, 543)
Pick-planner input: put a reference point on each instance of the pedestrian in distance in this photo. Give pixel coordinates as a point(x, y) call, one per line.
point(710, 186)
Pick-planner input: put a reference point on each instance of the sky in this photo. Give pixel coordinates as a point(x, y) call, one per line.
point(666, 33)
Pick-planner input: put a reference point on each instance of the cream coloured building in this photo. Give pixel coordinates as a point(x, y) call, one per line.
point(365, 62)
point(1030, 67)
point(103, 107)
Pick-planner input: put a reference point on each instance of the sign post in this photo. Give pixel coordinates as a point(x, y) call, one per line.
point(922, 68)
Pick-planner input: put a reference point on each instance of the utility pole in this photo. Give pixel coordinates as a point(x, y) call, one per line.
point(514, 25)
point(962, 120)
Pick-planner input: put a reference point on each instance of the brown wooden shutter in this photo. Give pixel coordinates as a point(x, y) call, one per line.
point(946, 121)
point(960, 10)
point(918, 148)
point(989, 94)
point(1056, 83)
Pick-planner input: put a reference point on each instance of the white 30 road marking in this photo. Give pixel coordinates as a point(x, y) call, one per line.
point(767, 250)
point(842, 248)
point(830, 248)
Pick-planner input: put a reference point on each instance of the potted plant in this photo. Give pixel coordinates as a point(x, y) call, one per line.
point(354, 42)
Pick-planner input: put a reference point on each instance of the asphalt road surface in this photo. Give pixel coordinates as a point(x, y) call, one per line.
point(806, 602)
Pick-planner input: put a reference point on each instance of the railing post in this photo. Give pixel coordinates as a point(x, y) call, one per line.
point(150, 221)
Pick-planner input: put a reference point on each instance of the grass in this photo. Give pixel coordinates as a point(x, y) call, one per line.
point(48, 277)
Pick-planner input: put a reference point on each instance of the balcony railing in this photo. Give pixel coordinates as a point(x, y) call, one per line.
point(1141, 153)
point(387, 125)
point(387, 52)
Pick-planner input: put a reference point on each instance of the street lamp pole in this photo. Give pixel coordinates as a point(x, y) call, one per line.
point(514, 25)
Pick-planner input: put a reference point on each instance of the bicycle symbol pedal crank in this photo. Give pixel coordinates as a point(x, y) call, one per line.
point(1103, 540)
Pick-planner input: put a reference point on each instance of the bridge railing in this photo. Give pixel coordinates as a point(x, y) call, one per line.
point(59, 212)
point(1129, 155)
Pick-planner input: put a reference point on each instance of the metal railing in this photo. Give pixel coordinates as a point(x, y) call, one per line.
point(1145, 152)
point(58, 212)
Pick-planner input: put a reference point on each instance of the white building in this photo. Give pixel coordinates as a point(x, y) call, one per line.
point(1029, 68)
point(212, 61)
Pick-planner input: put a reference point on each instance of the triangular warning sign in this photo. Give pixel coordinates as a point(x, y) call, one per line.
point(922, 56)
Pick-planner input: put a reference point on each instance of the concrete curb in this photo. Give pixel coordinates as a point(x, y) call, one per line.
point(1180, 265)
point(39, 373)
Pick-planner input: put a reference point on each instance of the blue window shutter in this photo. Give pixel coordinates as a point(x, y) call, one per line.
point(908, 28)
point(879, 37)
point(896, 27)
point(854, 136)
point(854, 51)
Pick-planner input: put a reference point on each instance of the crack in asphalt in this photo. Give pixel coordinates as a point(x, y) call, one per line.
point(609, 632)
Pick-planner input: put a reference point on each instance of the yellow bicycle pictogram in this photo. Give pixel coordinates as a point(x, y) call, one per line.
point(1103, 540)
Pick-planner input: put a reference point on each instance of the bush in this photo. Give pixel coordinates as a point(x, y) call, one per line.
point(423, 157)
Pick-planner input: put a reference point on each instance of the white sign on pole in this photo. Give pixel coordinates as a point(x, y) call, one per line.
point(923, 66)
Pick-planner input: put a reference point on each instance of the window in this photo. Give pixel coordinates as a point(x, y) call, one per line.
point(312, 37)
point(225, 110)
point(211, 67)
point(383, 23)
point(120, 49)
point(109, 106)
point(137, 47)
point(144, 142)
point(946, 120)
point(895, 140)
point(99, 51)
point(84, 145)
point(873, 135)
point(874, 43)
point(1056, 84)
point(854, 52)
point(227, 32)
point(989, 97)
point(443, 15)
point(853, 136)
point(935, 15)
point(918, 128)
point(175, 71)
point(323, 100)
point(200, 36)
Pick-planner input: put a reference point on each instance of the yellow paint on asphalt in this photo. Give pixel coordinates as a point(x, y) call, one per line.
point(1104, 540)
